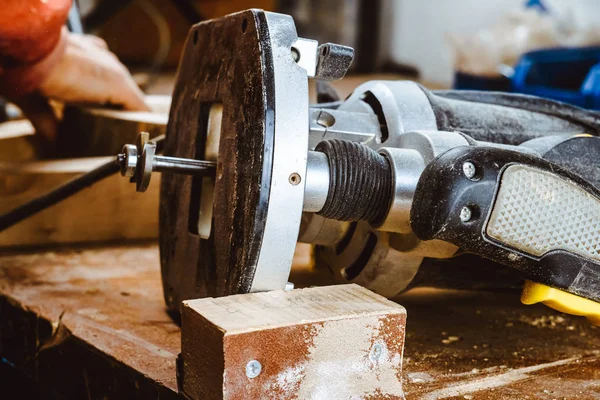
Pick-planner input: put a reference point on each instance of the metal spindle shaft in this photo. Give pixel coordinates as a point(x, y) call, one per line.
point(127, 162)
point(184, 166)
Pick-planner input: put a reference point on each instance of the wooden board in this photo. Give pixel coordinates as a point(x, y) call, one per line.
point(473, 345)
point(89, 323)
point(92, 132)
point(17, 141)
point(116, 338)
point(107, 211)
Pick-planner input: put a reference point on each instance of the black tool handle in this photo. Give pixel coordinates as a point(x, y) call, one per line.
point(508, 118)
point(519, 210)
point(578, 154)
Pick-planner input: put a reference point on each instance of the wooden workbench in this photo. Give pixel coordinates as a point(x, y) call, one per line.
point(91, 323)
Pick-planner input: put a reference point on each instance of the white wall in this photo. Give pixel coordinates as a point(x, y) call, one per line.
point(415, 32)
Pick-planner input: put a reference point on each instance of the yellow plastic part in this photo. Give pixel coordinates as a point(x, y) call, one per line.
point(561, 301)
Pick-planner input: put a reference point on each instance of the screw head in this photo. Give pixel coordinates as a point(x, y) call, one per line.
point(295, 54)
point(469, 170)
point(295, 179)
point(253, 369)
point(466, 214)
point(376, 352)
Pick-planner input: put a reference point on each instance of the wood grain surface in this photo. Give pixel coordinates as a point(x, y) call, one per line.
point(91, 322)
point(92, 132)
point(334, 342)
point(110, 210)
point(17, 141)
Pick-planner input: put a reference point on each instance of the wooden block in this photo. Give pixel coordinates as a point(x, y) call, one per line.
point(332, 342)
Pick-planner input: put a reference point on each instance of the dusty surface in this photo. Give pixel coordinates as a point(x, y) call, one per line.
point(313, 343)
point(92, 322)
point(489, 346)
point(89, 323)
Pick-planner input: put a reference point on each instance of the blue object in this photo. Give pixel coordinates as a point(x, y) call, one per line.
point(570, 75)
point(537, 4)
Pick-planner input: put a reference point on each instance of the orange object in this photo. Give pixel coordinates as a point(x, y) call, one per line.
point(30, 42)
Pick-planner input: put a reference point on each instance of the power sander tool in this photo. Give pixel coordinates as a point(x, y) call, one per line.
point(381, 183)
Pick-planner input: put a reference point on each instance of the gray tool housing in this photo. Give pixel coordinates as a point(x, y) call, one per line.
point(241, 100)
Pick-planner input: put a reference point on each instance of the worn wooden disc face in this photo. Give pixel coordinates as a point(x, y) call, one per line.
point(226, 61)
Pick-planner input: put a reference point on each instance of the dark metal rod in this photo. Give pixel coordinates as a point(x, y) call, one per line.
point(62, 192)
point(183, 165)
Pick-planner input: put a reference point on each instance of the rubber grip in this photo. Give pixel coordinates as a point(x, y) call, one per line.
point(518, 210)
